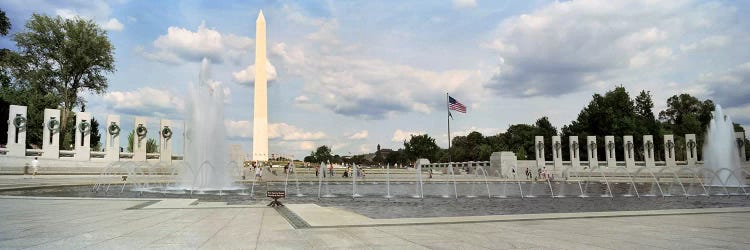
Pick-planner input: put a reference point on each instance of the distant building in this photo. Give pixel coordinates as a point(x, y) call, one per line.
point(384, 152)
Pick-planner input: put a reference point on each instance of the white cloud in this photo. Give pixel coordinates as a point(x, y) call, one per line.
point(97, 11)
point(247, 75)
point(180, 45)
point(565, 47)
point(711, 42)
point(145, 101)
point(292, 133)
point(730, 90)
point(365, 87)
point(366, 148)
point(462, 4)
point(351, 84)
point(359, 135)
point(298, 146)
point(281, 131)
point(401, 136)
point(301, 99)
point(113, 24)
point(239, 129)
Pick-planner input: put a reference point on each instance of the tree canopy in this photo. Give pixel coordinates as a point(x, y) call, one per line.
point(421, 146)
point(63, 57)
point(4, 24)
point(321, 154)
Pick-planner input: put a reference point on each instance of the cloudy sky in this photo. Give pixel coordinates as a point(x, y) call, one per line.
point(354, 74)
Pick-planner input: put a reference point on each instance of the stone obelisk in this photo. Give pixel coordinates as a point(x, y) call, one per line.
point(260, 111)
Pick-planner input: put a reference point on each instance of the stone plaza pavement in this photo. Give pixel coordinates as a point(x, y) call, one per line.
point(67, 223)
point(105, 223)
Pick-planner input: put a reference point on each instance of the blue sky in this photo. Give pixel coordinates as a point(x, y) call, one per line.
point(354, 74)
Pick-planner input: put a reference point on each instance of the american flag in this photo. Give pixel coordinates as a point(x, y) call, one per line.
point(455, 105)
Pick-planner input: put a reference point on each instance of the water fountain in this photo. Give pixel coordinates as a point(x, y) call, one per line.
point(355, 174)
point(720, 151)
point(388, 181)
point(205, 145)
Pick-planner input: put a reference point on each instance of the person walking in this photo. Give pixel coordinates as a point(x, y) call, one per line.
point(330, 169)
point(34, 167)
point(258, 172)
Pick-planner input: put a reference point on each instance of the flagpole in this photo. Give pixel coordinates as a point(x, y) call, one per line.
point(447, 105)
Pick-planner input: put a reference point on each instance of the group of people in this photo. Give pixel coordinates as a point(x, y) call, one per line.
point(348, 172)
point(542, 174)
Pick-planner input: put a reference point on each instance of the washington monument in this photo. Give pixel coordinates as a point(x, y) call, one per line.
point(260, 111)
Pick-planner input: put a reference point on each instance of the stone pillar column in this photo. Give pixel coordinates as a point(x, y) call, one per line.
point(629, 147)
point(83, 136)
point(575, 157)
point(539, 150)
point(509, 162)
point(648, 150)
point(165, 145)
point(495, 164)
point(140, 131)
point(609, 145)
point(741, 145)
point(51, 134)
point(691, 148)
point(591, 147)
point(557, 152)
point(669, 147)
point(112, 132)
point(17, 130)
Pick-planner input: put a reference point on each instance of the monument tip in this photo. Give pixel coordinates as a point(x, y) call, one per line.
point(261, 18)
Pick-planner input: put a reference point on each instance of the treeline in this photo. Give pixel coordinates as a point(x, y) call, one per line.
point(613, 113)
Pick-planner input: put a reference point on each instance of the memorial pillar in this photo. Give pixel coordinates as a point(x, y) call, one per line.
point(691, 148)
point(591, 149)
point(83, 136)
point(112, 141)
point(648, 150)
point(165, 145)
point(51, 134)
point(575, 157)
point(669, 145)
point(557, 151)
point(629, 147)
point(609, 145)
point(539, 150)
point(139, 139)
point(17, 130)
point(741, 145)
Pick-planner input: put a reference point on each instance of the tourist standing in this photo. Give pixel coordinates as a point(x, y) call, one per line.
point(34, 167)
point(330, 169)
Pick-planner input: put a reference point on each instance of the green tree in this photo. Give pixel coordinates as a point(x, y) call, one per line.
point(421, 146)
point(395, 157)
point(686, 114)
point(520, 138)
point(378, 158)
point(321, 154)
point(4, 23)
point(151, 146)
point(309, 158)
point(615, 113)
point(65, 57)
point(336, 159)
